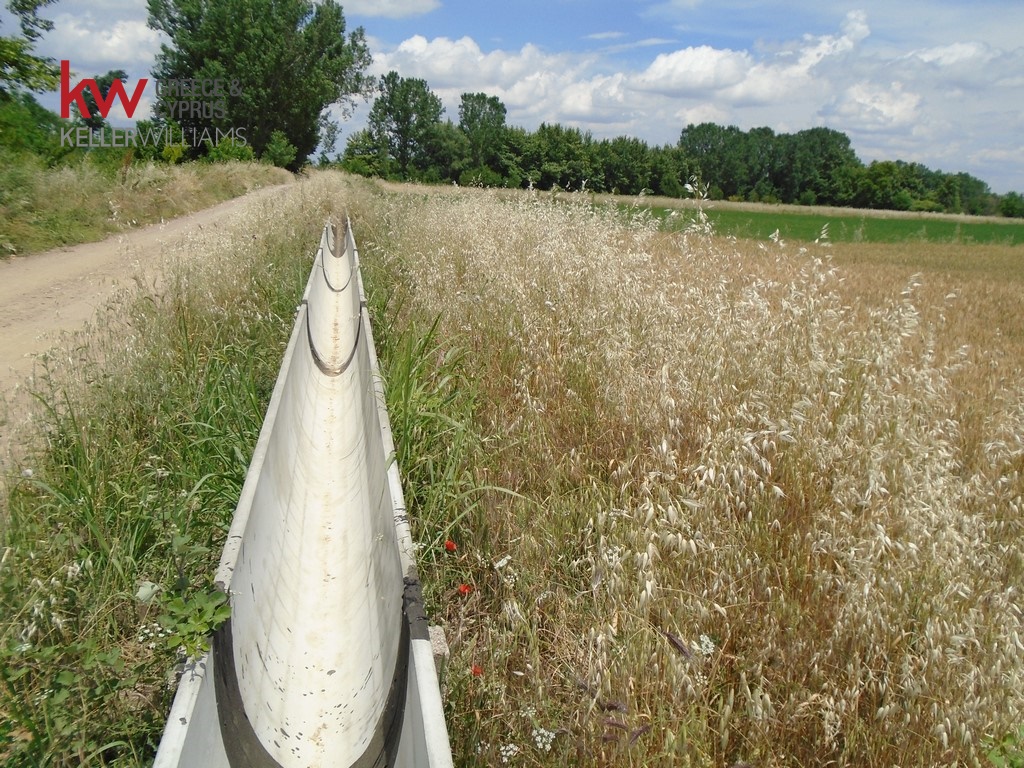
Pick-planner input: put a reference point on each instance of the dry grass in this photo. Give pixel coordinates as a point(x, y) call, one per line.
point(770, 508)
point(42, 208)
point(784, 208)
point(769, 499)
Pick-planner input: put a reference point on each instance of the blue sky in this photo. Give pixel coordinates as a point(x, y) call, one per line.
point(935, 81)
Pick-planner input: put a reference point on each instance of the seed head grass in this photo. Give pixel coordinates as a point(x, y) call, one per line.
point(677, 499)
point(44, 207)
point(760, 508)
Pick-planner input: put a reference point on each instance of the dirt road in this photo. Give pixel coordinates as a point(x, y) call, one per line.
point(47, 294)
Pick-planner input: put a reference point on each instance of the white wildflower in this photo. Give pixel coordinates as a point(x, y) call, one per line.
point(508, 751)
point(543, 738)
point(707, 645)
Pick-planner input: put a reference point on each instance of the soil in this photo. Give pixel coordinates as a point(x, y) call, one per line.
point(46, 295)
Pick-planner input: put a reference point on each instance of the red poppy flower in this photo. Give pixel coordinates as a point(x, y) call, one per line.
point(450, 546)
point(465, 589)
point(477, 670)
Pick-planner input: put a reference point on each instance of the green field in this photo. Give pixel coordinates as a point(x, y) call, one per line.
point(854, 227)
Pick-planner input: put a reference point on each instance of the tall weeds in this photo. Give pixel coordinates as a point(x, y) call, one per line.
point(679, 500)
point(44, 208)
point(751, 526)
point(117, 517)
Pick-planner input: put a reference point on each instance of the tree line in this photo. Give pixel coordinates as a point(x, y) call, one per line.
point(407, 138)
point(290, 60)
point(282, 63)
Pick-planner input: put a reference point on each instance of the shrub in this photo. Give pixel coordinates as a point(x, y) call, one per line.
point(480, 177)
point(172, 153)
point(926, 206)
point(227, 150)
point(279, 151)
point(1012, 205)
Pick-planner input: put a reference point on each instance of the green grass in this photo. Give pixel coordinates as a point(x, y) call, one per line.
point(116, 523)
point(854, 227)
point(116, 519)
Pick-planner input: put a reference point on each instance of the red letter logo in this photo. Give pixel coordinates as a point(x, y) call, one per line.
point(117, 92)
point(103, 104)
point(66, 96)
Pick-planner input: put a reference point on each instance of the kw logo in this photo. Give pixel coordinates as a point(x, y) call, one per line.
point(76, 95)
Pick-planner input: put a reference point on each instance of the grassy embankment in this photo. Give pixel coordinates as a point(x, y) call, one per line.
point(765, 509)
point(43, 208)
point(116, 519)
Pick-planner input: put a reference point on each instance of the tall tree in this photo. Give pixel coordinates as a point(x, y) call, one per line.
point(761, 160)
point(363, 156)
point(718, 154)
point(19, 67)
point(403, 122)
point(281, 64)
point(482, 119)
point(27, 125)
point(975, 195)
point(447, 154)
point(1012, 205)
point(818, 166)
point(625, 165)
point(561, 156)
point(670, 171)
point(515, 144)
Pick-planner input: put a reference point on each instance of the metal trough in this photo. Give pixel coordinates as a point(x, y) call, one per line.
point(326, 659)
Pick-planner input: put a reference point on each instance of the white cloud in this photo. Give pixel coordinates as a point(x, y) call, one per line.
point(855, 29)
point(996, 155)
point(600, 99)
point(970, 65)
point(694, 71)
point(443, 63)
point(95, 46)
point(794, 86)
point(391, 9)
point(955, 54)
point(871, 106)
point(739, 78)
point(531, 83)
point(702, 113)
point(535, 86)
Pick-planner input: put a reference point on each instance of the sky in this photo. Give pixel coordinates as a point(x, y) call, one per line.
point(940, 82)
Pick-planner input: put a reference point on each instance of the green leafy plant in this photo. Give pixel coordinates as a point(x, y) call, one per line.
point(1009, 752)
point(279, 151)
point(172, 153)
point(191, 621)
point(229, 149)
